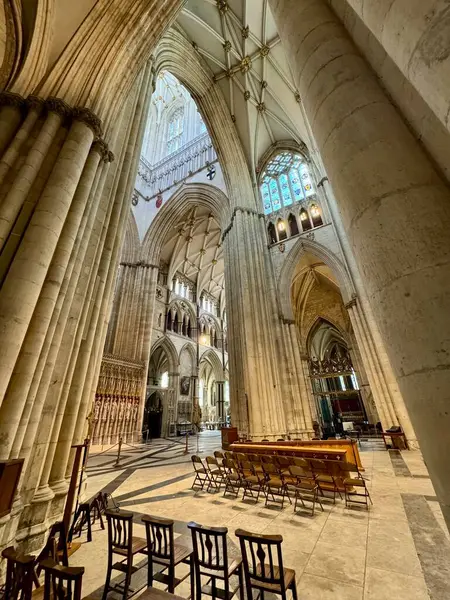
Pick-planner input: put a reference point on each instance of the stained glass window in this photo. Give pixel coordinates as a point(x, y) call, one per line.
point(306, 180)
point(274, 194)
point(285, 180)
point(266, 199)
point(285, 191)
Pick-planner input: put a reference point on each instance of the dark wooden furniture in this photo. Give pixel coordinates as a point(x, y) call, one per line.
point(229, 435)
point(155, 594)
point(355, 487)
point(60, 582)
point(87, 514)
point(216, 474)
point(201, 473)
point(263, 565)
point(20, 574)
point(121, 542)
point(10, 471)
point(162, 550)
point(398, 440)
point(55, 547)
point(326, 477)
point(211, 560)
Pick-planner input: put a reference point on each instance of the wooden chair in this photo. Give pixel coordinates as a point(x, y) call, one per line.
point(20, 574)
point(251, 481)
point(201, 473)
point(121, 542)
point(355, 488)
point(274, 484)
point(324, 477)
point(162, 550)
point(233, 479)
point(211, 560)
point(60, 582)
point(284, 462)
point(267, 458)
point(263, 565)
point(55, 547)
point(304, 487)
point(216, 475)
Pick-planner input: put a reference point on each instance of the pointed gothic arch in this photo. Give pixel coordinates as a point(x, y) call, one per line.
point(287, 272)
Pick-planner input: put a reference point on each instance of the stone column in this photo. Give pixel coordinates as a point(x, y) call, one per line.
point(11, 107)
point(255, 388)
point(382, 179)
point(22, 286)
point(220, 400)
point(415, 36)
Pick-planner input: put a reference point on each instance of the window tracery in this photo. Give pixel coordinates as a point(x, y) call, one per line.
point(175, 130)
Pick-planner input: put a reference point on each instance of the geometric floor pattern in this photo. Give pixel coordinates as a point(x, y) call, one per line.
point(398, 550)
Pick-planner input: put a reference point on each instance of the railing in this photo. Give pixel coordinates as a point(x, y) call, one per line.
point(190, 159)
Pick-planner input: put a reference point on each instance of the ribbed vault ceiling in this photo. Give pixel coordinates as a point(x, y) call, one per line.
point(239, 41)
point(193, 248)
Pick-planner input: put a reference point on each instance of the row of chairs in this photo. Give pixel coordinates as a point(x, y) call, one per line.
point(260, 564)
point(280, 477)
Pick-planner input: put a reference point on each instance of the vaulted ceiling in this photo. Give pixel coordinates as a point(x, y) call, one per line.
point(239, 41)
point(193, 248)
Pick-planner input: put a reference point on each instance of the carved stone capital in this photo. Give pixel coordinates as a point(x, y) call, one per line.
point(101, 147)
point(59, 107)
point(111, 157)
point(86, 116)
point(35, 103)
point(350, 303)
point(12, 99)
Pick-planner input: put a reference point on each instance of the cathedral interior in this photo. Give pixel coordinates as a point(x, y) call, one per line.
point(218, 303)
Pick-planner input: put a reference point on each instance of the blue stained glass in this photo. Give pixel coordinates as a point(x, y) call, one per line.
point(306, 180)
point(296, 185)
point(266, 199)
point(274, 194)
point(285, 191)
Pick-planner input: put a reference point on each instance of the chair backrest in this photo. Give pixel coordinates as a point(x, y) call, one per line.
point(211, 461)
point(240, 457)
point(254, 458)
point(160, 540)
point(197, 463)
point(300, 473)
point(283, 461)
point(267, 458)
point(318, 466)
point(301, 462)
point(229, 455)
point(120, 530)
point(270, 469)
point(262, 559)
point(247, 468)
point(55, 547)
point(19, 574)
point(61, 583)
point(210, 547)
point(230, 464)
point(349, 468)
point(218, 454)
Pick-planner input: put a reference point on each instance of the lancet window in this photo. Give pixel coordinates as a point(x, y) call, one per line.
point(175, 131)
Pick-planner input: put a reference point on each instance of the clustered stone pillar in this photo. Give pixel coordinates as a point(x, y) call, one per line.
point(252, 330)
point(220, 401)
point(382, 179)
point(62, 216)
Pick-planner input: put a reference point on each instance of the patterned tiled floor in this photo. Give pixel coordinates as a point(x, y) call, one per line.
point(399, 549)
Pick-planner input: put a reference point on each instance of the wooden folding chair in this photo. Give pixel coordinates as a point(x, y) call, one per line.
point(274, 484)
point(304, 487)
point(216, 475)
point(201, 473)
point(251, 481)
point(263, 565)
point(355, 488)
point(233, 478)
point(325, 478)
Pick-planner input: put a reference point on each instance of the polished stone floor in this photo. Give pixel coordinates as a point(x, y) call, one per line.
point(398, 550)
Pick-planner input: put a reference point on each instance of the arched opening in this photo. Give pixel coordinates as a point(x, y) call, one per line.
point(305, 220)
point(327, 339)
point(159, 390)
point(272, 233)
point(316, 215)
point(293, 225)
point(281, 229)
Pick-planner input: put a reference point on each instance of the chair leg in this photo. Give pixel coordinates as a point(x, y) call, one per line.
point(241, 582)
point(171, 574)
point(107, 580)
point(127, 580)
point(150, 571)
point(192, 576)
point(294, 590)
